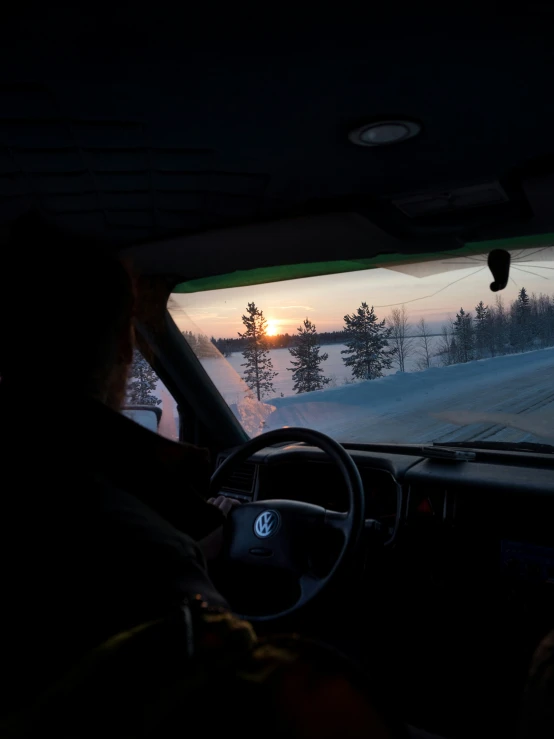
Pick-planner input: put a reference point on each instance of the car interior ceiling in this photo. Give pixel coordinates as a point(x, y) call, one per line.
point(201, 158)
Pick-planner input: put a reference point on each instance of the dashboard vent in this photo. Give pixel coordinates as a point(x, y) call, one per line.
point(242, 479)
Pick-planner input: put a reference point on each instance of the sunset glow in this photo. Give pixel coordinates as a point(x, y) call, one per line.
point(272, 328)
point(328, 298)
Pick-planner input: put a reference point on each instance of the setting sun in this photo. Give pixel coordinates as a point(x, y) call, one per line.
point(272, 329)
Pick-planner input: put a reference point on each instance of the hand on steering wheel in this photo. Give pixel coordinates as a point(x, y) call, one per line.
point(276, 533)
point(224, 503)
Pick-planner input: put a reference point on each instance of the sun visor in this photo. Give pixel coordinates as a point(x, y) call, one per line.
point(265, 245)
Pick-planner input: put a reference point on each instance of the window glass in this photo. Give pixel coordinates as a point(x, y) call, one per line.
point(414, 353)
point(144, 388)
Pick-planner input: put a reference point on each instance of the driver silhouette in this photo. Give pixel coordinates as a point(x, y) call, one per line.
point(111, 621)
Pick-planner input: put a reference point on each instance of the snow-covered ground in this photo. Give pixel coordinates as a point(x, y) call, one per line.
point(333, 368)
point(509, 398)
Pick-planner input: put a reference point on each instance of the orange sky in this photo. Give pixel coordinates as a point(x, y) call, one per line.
point(326, 299)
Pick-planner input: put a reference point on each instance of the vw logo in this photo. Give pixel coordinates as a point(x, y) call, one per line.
point(266, 524)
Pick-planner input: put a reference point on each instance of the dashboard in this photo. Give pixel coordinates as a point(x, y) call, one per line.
point(463, 576)
point(497, 511)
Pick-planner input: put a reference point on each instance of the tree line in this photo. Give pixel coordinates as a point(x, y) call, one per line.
point(526, 323)
point(279, 341)
point(374, 345)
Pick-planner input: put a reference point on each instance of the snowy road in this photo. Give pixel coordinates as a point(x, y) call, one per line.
point(508, 398)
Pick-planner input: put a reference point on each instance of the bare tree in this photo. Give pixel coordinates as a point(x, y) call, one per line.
point(423, 345)
point(446, 348)
point(400, 338)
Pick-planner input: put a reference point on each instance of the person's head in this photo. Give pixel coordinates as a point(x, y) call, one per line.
point(66, 309)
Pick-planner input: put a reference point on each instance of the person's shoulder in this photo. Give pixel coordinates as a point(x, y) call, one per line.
point(139, 547)
point(120, 513)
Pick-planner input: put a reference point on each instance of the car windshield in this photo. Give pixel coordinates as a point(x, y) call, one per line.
point(413, 353)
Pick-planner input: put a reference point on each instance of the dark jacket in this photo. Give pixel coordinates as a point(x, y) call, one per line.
point(84, 556)
point(169, 477)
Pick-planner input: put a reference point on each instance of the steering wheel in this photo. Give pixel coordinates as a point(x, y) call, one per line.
point(277, 533)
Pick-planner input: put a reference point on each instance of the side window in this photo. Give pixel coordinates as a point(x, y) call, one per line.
point(144, 388)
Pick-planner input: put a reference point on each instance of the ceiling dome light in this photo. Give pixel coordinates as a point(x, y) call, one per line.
point(383, 133)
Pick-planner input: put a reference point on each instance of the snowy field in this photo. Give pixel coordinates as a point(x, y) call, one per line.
point(509, 398)
point(333, 368)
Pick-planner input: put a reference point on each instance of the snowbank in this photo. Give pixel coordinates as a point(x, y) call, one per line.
point(252, 414)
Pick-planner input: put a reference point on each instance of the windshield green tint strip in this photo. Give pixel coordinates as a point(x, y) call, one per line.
point(262, 275)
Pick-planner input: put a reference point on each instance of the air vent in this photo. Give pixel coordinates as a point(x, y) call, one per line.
point(242, 479)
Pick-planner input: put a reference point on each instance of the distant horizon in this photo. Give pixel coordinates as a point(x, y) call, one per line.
point(325, 300)
point(412, 335)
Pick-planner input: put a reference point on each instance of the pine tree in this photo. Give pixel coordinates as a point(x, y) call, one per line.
point(142, 382)
point(523, 299)
point(306, 372)
point(367, 341)
point(226, 349)
point(545, 324)
point(482, 328)
point(259, 371)
point(464, 336)
point(224, 346)
point(521, 315)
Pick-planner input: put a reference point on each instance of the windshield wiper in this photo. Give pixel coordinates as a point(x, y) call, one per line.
point(507, 446)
